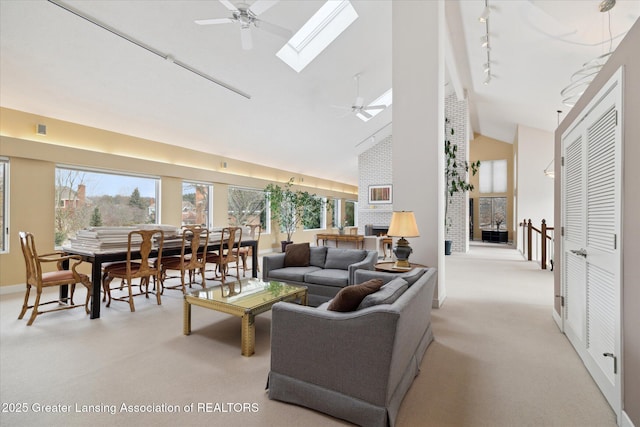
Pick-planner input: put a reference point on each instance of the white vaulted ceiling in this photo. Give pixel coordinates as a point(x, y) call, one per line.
point(55, 64)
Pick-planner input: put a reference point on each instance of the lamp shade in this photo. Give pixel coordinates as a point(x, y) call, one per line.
point(403, 224)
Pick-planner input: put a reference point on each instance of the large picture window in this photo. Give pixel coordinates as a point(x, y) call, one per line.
point(197, 204)
point(247, 206)
point(85, 198)
point(4, 204)
point(493, 176)
point(314, 219)
point(493, 213)
point(350, 217)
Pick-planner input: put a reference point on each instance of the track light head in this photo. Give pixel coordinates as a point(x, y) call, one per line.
point(485, 14)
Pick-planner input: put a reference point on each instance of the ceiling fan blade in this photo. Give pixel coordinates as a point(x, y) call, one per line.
point(273, 29)
point(245, 38)
point(214, 21)
point(261, 6)
point(364, 113)
point(375, 107)
point(229, 5)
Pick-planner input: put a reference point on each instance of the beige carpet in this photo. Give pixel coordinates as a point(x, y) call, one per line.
point(498, 360)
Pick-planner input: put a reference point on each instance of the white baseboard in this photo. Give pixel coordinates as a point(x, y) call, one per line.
point(557, 319)
point(11, 289)
point(625, 420)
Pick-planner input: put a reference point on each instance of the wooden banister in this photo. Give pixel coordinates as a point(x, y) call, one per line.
point(527, 235)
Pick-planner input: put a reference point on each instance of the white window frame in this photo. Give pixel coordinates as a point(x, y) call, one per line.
point(4, 166)
point(120, 174)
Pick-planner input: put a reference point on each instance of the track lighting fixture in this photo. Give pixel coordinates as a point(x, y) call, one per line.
point(485, 14)
point(485, 43)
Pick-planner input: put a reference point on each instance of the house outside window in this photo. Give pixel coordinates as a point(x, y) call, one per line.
point(85, 198)
point(197, 204)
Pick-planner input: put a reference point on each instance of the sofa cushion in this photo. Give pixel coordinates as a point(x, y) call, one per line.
point(412, 276)
point(318, 256)
point(343, 258)
point(350, 297)
point(296, 255)
point(328, 277)
point(291, 274)
point(387, 294)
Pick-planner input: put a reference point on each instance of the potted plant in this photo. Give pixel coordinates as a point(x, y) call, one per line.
point(290, 208)
point(455, 180)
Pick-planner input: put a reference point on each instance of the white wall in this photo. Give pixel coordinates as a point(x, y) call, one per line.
point(534, 190)
point(418, 126)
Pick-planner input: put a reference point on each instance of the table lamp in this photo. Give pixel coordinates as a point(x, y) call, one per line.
point(403, 224)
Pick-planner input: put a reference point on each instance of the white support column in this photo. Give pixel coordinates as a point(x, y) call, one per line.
point(418, 126)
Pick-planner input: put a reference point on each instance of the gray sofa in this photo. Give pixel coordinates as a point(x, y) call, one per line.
point(327, 271)
point(355, 365)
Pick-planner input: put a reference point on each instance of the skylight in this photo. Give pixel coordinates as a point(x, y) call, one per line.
point(317, 33)
point(385, 99)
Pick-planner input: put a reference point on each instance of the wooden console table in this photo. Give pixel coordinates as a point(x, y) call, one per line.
point(358, 239)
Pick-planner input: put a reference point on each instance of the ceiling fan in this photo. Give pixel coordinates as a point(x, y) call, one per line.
point(247, 16)
point(358, 106)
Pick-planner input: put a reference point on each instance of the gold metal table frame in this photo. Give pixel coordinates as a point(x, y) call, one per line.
point(245, 299)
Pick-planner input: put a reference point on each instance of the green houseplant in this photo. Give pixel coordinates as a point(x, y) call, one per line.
point(291, 208)
point(456, 180)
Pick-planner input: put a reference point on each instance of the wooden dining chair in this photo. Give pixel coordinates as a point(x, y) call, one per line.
point(39, 280)
point(230, 240)
point(136, 266)
point(246, 251)
point(195, 241)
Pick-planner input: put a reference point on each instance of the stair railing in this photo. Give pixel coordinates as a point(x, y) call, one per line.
point(538, 241)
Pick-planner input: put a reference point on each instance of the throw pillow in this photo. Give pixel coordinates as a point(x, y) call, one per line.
point(350, 297)
point(387, 294)
point(296, 255)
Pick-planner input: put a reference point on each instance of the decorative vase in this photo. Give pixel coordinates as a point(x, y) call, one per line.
point(341, 231)
point(284, 243)
point(447, 247)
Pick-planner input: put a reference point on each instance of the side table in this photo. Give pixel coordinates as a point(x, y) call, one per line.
point(389, 267)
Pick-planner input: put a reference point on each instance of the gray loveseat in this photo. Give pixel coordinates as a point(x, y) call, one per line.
point(355, 365)
point(327, 270)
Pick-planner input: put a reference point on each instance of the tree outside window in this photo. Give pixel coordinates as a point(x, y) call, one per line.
point(86, 198)
point(247, 206)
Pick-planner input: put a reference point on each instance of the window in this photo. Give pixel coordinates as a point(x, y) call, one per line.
point(385, 100)
point(493, 213)
point(4, 204)
point(493, 176)
point(315, 214)
point(337, 213)
point(197, 203)
point(85, 198)
point(350, 217)
point(248, 206)
point(317, 33)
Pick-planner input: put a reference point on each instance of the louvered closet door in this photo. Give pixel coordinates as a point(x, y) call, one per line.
point(591, 241)
point(574, 219)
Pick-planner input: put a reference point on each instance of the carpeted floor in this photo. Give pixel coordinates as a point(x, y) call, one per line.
point(498, 360)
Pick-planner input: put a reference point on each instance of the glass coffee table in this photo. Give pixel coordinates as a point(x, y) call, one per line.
point(246, 299)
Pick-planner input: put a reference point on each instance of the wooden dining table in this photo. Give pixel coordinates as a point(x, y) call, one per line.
point(98, 258)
